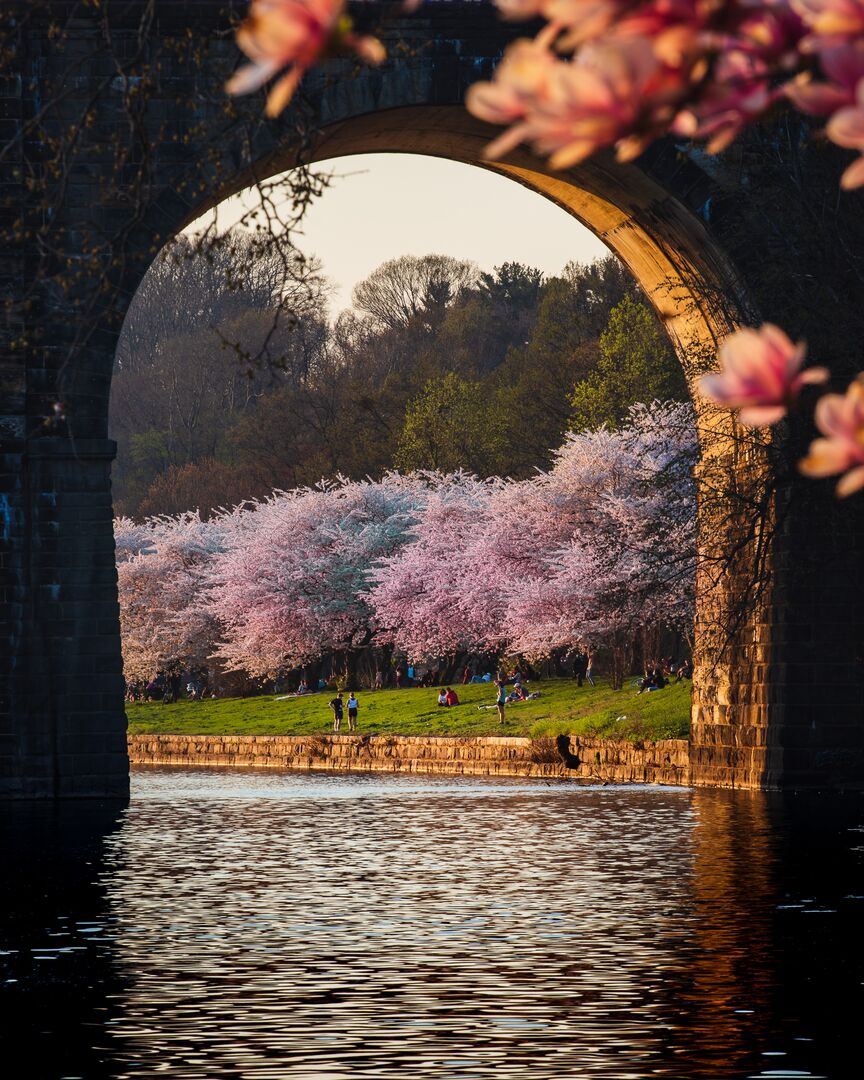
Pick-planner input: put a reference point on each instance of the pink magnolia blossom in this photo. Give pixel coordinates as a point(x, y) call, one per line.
point(522, 78)
point(583, 19)
point(846, 128)
point(738, 93)
point(293, 34)
point(840, 418)
point(613, 93)
point(760, 375)
point(838, 20)
point(843, 67)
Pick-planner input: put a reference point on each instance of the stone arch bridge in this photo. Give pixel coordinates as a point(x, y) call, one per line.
point(116, 134)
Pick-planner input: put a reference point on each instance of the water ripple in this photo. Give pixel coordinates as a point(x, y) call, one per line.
point(291, 926)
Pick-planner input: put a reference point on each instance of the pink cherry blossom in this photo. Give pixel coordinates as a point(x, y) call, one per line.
point(760, 375)
point(840, 418)
point(292, 583)
point(293, 34)
point(161, 567)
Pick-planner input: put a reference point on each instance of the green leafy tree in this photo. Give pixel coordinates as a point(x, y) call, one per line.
point(452, 424)
point(636, 363)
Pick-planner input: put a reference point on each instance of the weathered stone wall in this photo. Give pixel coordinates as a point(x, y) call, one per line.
point(573, 757)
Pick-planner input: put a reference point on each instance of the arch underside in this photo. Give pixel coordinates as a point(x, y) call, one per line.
point(663, 243)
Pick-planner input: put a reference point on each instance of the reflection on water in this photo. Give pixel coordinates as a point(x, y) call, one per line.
point(236, 924)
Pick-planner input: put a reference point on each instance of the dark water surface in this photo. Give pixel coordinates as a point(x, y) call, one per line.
point(237, 924)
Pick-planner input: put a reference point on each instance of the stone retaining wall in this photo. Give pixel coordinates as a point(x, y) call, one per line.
point(665, 762)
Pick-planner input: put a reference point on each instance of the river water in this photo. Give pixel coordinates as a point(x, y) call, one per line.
point(231, 923)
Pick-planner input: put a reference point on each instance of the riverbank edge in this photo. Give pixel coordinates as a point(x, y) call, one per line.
point(575, 757)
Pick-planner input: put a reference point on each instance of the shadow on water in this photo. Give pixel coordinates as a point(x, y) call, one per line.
point(236, 924)
point(56, 969)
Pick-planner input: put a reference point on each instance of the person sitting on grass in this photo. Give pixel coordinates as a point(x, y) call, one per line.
point(336, 706)
point(452, 697)
point(442, 697)
point(685, 671)
point(654, 679)
point(516, 694)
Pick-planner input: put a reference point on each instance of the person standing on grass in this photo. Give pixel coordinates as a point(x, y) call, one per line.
point(501, 700)
point(353, 706)
point(589, 667)
point(336, 706)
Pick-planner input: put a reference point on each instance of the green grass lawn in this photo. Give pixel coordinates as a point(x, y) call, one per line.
point(562, 708)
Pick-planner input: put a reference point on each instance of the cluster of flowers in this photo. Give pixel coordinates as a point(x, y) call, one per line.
point(621, 73)
point(597, 549)
point(761, 375)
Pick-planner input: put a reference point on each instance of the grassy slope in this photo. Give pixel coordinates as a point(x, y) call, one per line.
point(563, 707)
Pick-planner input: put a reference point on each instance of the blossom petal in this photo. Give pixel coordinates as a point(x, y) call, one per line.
point(827, 457)
point(283, 91)
point(251, 77)
point(850, 483)
point(762, 415)
point(853, 176)
point(814, 375)
point(846, 128)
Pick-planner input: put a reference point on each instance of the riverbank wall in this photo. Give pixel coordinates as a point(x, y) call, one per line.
point(566, 756)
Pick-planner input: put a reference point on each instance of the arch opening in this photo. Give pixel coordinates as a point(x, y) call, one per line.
point(662, 243)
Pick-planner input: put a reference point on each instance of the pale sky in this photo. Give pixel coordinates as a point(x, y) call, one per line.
point(383, 205)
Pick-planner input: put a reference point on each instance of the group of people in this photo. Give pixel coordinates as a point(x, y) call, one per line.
point(170, 687)
point(448, 698)
point(659, 673)
point(583, 666)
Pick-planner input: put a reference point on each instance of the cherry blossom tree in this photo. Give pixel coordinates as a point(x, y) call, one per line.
point(160, 574)
point(598, 550)
point(422, 598)
point(620, 558)
point(292, 583)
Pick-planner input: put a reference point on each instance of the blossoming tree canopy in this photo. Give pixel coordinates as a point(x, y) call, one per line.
point(621, 550)
point(292, 583)
point(160, 570)
point(596, 549)
point(425, 597)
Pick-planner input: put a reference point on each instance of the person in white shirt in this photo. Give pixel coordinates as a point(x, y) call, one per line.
point(353, 706)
